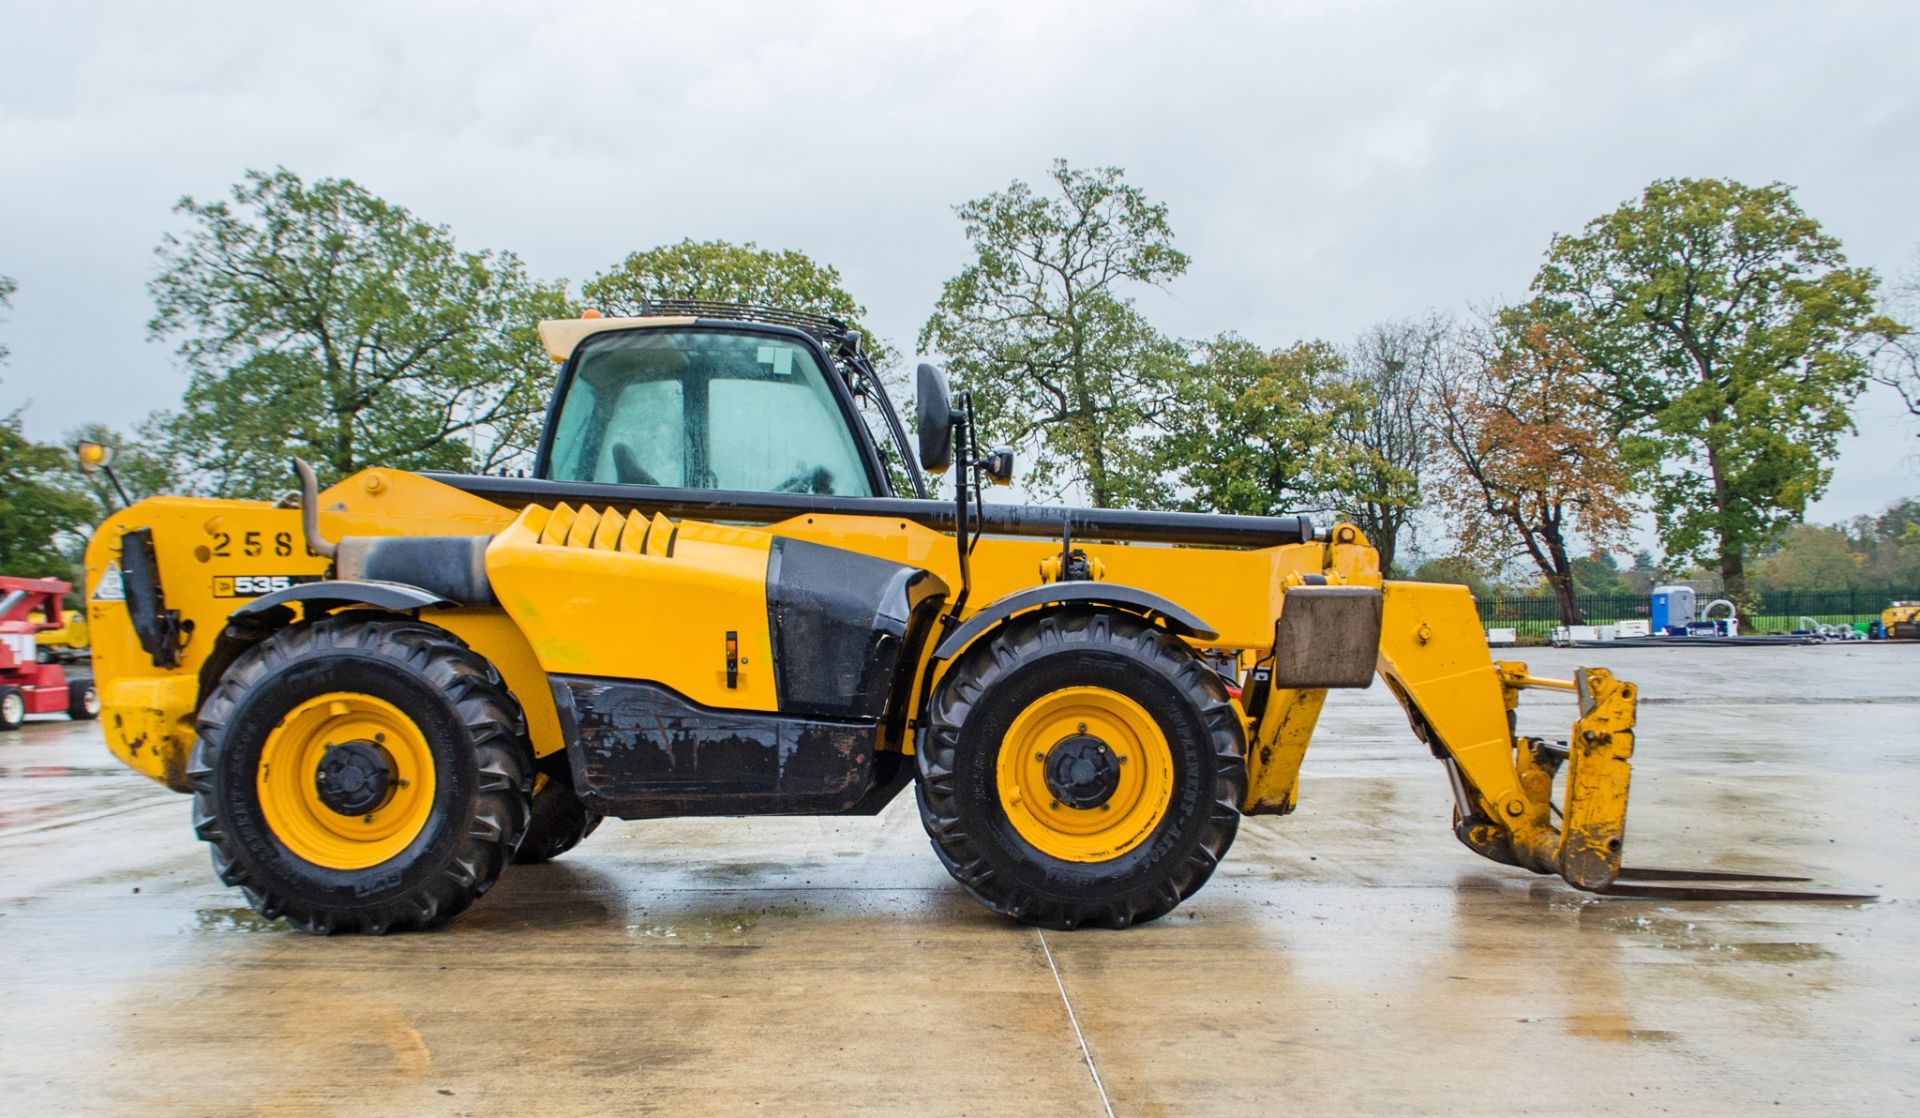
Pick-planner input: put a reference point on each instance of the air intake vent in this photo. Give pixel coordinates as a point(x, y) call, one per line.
point(609, 530)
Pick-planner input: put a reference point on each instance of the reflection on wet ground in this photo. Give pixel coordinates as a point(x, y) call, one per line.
point(1350, 957)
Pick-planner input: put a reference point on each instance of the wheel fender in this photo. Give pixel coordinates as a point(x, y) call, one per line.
point(1132, 599)
point(267, 614)
point(396, 596)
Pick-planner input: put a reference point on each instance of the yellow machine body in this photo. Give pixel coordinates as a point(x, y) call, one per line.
point(596, 593)
point(588, 593)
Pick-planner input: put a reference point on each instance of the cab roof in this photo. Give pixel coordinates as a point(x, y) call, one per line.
point(563, 335)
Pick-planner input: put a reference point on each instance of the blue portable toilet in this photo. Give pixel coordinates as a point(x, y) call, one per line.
point(1672, 609)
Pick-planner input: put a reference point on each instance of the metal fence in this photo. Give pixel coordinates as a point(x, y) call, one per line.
point(1775, 610)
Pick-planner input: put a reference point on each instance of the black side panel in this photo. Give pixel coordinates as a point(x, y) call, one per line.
point(641, 751)
point(157, 626)
point(450, 567)
point(840, 622)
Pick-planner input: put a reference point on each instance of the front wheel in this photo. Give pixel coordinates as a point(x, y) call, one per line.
point(360, 774)
point(1081, 767)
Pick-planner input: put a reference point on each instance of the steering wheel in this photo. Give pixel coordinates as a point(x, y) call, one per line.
point(819, 479)
point(628, 469)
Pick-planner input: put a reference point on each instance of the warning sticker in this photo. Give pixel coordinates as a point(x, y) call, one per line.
point(110, 588)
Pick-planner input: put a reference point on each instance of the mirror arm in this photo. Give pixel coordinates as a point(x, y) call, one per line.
point(962, 426)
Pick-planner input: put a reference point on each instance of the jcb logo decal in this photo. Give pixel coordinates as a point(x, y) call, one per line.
point(252, 586)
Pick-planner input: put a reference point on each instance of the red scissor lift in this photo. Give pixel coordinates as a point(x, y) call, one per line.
point(28, 686)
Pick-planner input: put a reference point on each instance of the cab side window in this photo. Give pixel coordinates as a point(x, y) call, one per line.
point(705, 409)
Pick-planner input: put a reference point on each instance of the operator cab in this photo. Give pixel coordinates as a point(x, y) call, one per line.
point(689, 402)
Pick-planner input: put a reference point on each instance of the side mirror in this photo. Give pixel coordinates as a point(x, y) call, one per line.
point(935, 407)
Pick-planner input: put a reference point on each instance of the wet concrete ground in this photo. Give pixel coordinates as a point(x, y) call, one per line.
point(1349, 958)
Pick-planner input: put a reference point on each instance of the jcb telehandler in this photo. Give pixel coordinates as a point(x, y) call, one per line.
point(713, 597)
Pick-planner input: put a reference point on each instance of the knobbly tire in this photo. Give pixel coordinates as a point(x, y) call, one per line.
point(561, 821)
point(467, 724)
point(1026, 665)
point(83, 701)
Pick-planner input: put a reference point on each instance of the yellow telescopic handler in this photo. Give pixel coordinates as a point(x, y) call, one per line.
point(721, 593)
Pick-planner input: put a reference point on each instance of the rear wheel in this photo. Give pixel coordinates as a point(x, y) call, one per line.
point(13, 707)
point(1081, 767)
point(561, 821)
point(360, 774)
point(83, 700)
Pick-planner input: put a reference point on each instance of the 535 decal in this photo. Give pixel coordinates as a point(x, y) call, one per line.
point(252, 586)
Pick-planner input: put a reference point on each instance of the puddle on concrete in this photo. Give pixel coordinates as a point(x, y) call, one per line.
point(729, 927)
point(1687, 935)
point(34, 771)
point(221, 921)
point(1615, 1027)
point(546, 913)
point(742, 871)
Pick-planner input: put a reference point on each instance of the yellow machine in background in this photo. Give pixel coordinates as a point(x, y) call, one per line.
point(710, 600)
point(65, 643)
point(1901, 621)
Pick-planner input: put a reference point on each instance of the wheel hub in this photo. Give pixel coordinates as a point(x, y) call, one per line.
point(1082, 771)
point(353, 778)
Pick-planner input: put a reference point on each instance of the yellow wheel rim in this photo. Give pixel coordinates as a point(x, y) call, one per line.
point(1140, 774)
point(290, 783)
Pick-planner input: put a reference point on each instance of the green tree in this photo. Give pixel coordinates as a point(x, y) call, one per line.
point(39, 507)
point(1458, 570)
point(1727, 325)
point(723, 272)
point(321, 320)
point(7, 288)
point(1040, 330)
point(1261, 433)
point(1598, 575)
point(1813, 557)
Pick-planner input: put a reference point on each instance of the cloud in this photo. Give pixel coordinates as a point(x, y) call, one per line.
point(1325, 165)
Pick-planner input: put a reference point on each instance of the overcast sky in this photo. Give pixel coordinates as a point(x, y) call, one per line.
point(1326, 165)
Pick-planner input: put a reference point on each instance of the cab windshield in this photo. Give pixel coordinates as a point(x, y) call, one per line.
point(704, 410)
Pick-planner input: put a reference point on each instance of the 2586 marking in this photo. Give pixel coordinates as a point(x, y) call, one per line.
point(254, 543)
